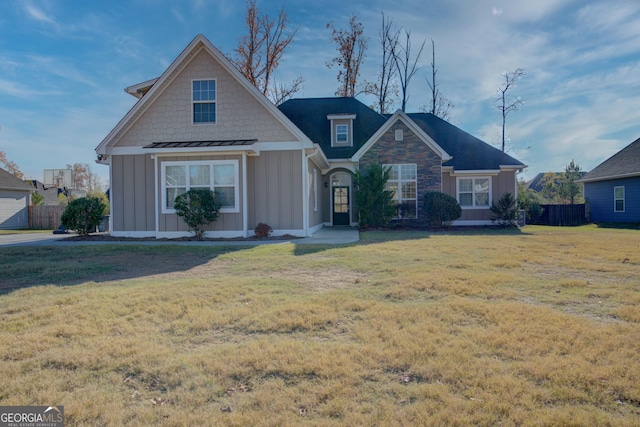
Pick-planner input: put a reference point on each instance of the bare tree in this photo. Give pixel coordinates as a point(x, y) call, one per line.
point(504, 104)
point(385, 88)
point(351, 45)
point(405, 66)
point(440, 105)
point(11, 166)
point(259, 52)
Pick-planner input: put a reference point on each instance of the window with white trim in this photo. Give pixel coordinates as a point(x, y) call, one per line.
point(474, 192)
point(403, 181)
point(221, 176)
point(618, 199)
point(204, 101)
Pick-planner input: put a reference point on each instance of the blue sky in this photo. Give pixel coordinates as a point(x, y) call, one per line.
point(64, 65)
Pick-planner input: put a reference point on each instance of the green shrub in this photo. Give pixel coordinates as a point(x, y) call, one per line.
point(505, 211)
point(374, 203)
point(529, 200)
point(83, 215)
point(198, 207)
point(441, 209)
point(37, 199)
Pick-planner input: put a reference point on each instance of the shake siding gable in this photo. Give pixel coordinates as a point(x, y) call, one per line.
point(169, 117)
point(411, 150)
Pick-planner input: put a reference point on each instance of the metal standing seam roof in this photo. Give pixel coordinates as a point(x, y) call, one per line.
point(197, 144)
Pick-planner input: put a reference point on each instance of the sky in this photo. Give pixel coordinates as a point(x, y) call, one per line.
point(64, 65)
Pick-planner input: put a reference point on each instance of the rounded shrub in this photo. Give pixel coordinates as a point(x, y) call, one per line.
point(83, 215)
point(197, 207)
point(441, 209)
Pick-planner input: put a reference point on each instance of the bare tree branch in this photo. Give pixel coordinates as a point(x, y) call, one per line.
point(505, 105)
point(11, 166)
point(440, 106)
point(259, 52)
point(406, 68)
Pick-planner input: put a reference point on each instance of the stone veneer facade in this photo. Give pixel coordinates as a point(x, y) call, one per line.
point(411, 150)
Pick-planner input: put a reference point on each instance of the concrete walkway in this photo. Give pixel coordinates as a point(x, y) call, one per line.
point(324, 236)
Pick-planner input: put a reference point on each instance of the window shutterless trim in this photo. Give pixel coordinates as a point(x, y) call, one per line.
point(616, 199)
point(212, 186)
point(473, 192)
point(204, 101)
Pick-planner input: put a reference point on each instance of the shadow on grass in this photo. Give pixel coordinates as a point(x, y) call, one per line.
point(72, 265)
point(619, 225)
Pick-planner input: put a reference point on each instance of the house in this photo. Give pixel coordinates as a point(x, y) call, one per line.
point(612, 189)
point(15, 196)
point(202, 124)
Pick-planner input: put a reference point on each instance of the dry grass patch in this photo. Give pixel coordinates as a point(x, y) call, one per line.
point(468, 328)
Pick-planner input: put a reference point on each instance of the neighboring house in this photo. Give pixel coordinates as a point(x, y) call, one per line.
point(536, 183)
point(14, 202)
point(202, 124)
point(612, 188)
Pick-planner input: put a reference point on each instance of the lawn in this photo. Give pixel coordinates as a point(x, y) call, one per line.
point(539, 326)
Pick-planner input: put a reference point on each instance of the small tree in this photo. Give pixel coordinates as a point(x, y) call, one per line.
point(505, 211)
point(529, 200)
point(441, 209)
point(351, 46)
point(83, 215)
point(503, 103)
point(37, 199)
point(198, 207)
point(569, 189)
point(374, 202)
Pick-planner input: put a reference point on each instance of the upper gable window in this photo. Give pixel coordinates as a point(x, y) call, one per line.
point(341, 129)
point(204, 101)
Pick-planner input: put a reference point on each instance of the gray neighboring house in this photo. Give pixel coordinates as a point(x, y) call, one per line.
point(201, 124)
point(15, 196)
point(50, 194)
point(612, 188)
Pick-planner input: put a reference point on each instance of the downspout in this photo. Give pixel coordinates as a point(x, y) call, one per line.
point(155, 192)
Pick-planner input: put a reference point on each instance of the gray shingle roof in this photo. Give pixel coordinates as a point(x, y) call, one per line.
point(468, 152)
point(310, 116)
point(625, 163)
point(8, 181)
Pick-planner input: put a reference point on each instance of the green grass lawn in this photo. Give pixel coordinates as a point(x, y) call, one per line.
point(538, 326)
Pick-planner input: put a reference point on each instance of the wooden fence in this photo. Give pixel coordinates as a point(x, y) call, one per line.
point(563, 215)
point(45, 217)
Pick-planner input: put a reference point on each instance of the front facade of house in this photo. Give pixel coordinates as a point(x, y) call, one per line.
point(202, 124)
point(612, 189)
point(15, 196)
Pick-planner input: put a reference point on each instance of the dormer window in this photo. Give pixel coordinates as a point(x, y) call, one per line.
point(341, 129)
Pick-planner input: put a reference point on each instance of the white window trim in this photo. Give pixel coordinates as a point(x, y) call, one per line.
point(204, 102)
point(346, 133)
point(473, 198)
point(211, 164)
point(616, 199)
point(399, 181)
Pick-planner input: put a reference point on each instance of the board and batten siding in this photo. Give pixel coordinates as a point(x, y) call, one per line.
point(502, 183)
point(14, 209)
point(275, 190)
point(132, 195)
point(600, 198)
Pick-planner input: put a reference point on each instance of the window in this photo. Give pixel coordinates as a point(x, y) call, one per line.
point(342, 134)
point(204, 101)
point(220, 176)
point(474, 192)
point(403, 181)
point(618, 199)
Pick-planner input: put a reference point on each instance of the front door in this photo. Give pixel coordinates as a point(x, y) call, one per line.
point(341, 206)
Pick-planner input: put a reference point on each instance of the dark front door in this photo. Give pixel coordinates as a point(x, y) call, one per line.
point(340, 205)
